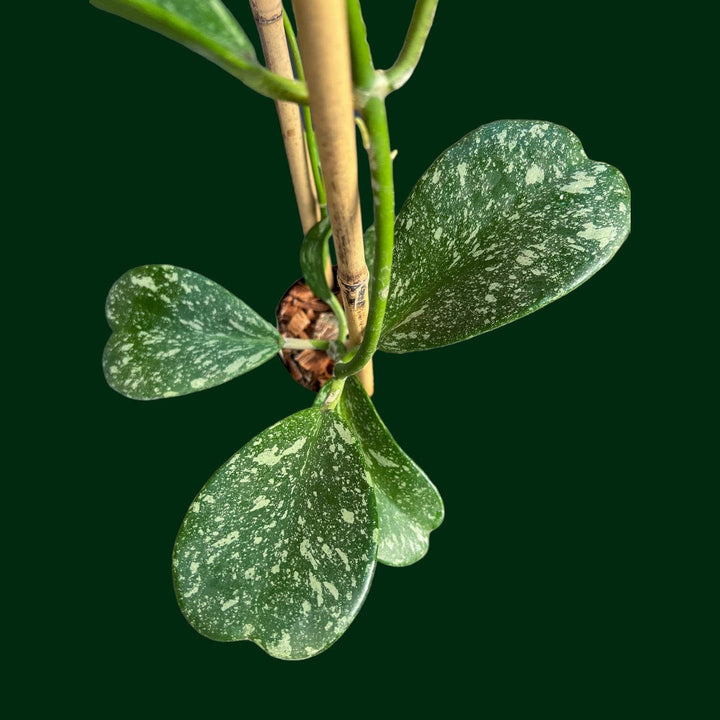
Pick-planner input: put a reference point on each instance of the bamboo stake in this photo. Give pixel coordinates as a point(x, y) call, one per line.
point(268, 16)
point(325, 50)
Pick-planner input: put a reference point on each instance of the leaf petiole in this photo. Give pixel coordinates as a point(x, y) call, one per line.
point(210, 30)
point(330, 395)
point(305, 344)
point(407, 60)
point(314, 257)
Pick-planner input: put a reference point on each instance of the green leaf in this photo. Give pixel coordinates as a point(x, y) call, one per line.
point(409, 506)
point(207, 28)
point(176, 332)
point(279, 546)
point(369, 246)
point(314, 253)
point(508, 219)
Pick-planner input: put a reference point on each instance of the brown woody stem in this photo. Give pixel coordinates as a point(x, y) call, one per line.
point(268, 16)
point(324, 45)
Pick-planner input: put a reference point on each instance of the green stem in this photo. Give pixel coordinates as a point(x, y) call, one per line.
point(337, 308)
point(362, 64)
point(334, 303)
point(412, 48)
point(332, 392)
point(314, 258)
point(307, 119)
point(244, 66)
point(363, 132)
point(303, 344)
point(379, 151)
point(269, 84)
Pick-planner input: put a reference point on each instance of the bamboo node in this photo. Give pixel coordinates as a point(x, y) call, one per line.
point(354, 290)
point(261, 20)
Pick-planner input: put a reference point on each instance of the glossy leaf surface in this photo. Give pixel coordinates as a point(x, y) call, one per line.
point(176, 332)
point(314, 254)
point(369, 246)
point(279, 547)
point(508, 219)
point(409, 506)
point(206, 27)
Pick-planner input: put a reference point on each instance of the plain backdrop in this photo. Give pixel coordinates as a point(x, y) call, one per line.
point(563, 582)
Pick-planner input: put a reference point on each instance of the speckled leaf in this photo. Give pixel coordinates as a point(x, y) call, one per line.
point(409, 506)
point(176, 332)
point(206, 27)
point(279, 547)
point(508, 219)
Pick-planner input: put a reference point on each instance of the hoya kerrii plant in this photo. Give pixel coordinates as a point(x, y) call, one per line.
point(280, 545)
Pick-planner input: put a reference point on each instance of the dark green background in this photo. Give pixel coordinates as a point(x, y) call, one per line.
point(561, 443)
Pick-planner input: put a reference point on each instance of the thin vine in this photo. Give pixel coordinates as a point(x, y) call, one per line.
point(374, 117)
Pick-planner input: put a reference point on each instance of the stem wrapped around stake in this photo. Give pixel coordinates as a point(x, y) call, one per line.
point(324, 45)
point(378, 147)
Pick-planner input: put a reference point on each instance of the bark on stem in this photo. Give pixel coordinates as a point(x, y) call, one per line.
point(268, 16)
point(324, 46)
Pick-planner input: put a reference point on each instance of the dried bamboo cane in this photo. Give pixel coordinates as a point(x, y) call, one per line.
point(269, 20)
point(324, 46)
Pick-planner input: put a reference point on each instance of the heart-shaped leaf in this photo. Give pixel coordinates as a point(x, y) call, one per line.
point(508, 219)
point(176, 332)
point(409, 506)
point(279, 546)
